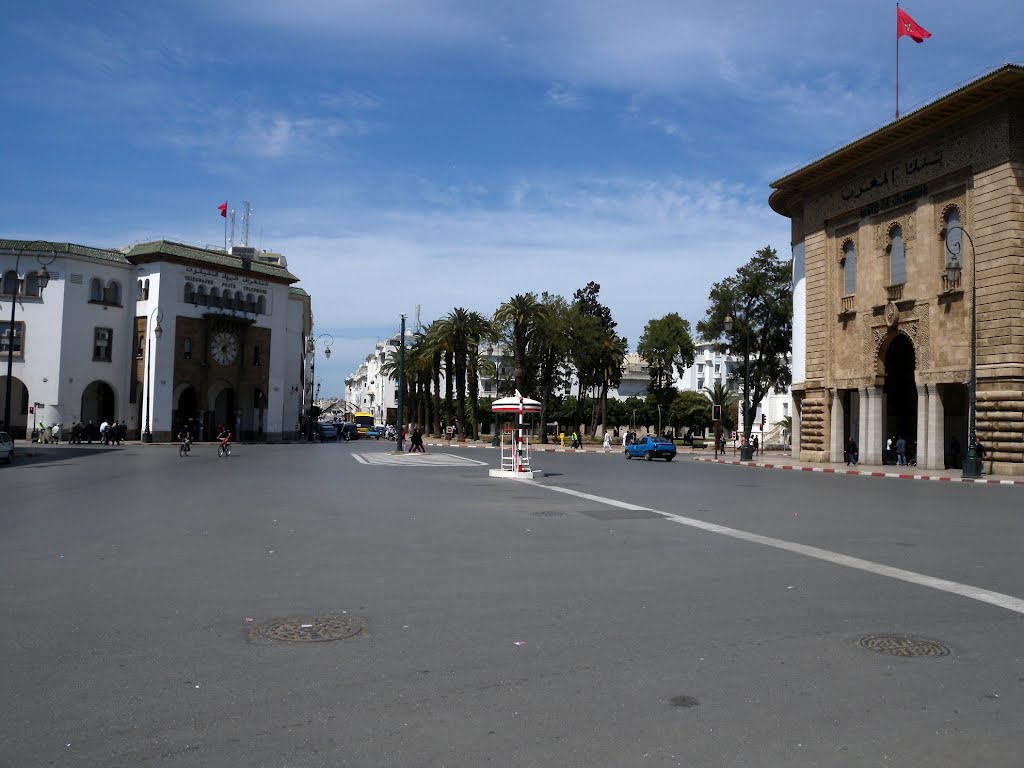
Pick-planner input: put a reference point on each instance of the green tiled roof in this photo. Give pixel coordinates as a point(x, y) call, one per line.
point(45, 246)
point(159, 248)
point(294, 291)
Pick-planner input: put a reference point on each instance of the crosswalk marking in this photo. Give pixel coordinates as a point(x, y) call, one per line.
point(417, 460)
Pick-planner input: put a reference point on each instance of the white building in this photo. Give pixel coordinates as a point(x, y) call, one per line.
point(159, 336)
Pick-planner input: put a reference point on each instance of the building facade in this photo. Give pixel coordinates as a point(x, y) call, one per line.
point(160, 336)
point(887, 235)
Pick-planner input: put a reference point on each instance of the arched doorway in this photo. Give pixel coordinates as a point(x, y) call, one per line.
point(900, 390)
point(19, 407)
point(224, 410)
point(98, 403)
point(187, 411)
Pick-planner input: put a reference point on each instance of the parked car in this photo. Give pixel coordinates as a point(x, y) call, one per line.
point(348, 431)
point(325, 431)
point(6, 447)
point(375, 432)
point(651, 448)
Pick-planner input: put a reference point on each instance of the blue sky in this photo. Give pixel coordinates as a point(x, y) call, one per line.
point(442, 153)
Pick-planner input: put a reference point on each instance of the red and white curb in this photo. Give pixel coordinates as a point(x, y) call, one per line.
point(834, 471)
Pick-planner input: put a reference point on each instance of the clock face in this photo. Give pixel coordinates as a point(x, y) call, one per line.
point(224, 348)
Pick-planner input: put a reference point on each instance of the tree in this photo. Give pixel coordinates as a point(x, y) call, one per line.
point(515, 323)
point(461, 328)
point(596, 350)
point(691, 410)
point(551, 344)
point(720, 395)
point(667, 347)
point(759, 301)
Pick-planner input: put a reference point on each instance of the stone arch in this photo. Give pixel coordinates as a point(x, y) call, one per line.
point(99, 403)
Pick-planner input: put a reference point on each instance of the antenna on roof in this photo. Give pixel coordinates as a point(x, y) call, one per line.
point(231, 240)
point(246, 215)
point(419, 326)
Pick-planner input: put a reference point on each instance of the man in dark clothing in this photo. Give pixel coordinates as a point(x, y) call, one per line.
point(901, 451)
point(851, 452)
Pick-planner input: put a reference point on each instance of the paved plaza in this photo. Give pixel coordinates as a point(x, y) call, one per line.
point(339, 605)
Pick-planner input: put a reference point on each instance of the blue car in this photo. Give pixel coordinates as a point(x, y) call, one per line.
point(375, 432)
point(651, 448)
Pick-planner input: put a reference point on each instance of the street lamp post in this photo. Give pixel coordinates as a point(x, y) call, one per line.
point(310, 428)
point(659, 418)
point(495, 437)
point(43, 276)
point(400, 425)
point(147, 436)
point(746, 449)
point(973, 464)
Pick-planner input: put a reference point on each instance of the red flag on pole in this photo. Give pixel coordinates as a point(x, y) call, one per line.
point(223, 208)
point(906, 26)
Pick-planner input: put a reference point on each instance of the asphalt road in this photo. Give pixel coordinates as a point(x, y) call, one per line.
point(616, 613)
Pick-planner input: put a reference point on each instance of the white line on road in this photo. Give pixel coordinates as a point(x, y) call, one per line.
point(1008, 602)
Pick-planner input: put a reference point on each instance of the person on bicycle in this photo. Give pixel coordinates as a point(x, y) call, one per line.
point(225, 437)
point(185, 438)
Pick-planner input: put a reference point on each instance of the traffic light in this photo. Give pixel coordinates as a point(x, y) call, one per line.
point(31, 409)
point(764, 419)
point(716, 413)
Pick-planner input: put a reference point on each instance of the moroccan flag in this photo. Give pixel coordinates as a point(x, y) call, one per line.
point(223, 207)
point(907, 26)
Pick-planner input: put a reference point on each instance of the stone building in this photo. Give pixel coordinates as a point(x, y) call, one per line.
point(159, 335)
point(882, 326)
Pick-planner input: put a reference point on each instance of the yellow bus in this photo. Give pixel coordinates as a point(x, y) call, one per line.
point(363, 421)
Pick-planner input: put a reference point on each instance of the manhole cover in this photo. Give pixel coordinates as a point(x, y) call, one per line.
point(310, 630)
point(684, 702)
point(548, 513)
point(899, 645)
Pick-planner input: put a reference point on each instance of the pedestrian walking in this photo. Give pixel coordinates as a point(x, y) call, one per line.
point(607, 441)
point(852, 455)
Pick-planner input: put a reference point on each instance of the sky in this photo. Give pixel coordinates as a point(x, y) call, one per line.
point(413, 156)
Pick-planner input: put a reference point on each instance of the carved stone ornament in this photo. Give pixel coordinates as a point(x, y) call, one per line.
point(892, 314)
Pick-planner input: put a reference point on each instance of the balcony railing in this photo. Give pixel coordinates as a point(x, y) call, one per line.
point(846, 305)
point(949, 286)
point(894, 292)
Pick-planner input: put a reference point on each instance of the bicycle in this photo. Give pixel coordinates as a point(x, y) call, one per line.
point(184, 448)
point(224, 449)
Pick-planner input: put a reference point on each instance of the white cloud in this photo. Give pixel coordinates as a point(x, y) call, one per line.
point(563, 97)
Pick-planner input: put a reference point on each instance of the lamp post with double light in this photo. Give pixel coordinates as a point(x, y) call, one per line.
point(310, 426)
point(43, 278)
point(973, 462)
point(746, 449)
point(156, 314)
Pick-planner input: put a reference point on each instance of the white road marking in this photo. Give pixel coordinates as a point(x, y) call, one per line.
point(417, 459)
point(1008, 602)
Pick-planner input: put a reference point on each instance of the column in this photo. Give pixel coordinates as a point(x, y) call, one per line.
point(923, 452)
point(872, 439)
point(836, 443)
point(797, 405)
point(863, 427)
point(936, 455)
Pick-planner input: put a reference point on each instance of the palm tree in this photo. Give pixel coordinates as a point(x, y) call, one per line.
point(517, 319)
point(719, 394)
point(460, 328)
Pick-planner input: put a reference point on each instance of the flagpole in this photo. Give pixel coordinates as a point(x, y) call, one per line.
point(897, 66)
point(226, 222)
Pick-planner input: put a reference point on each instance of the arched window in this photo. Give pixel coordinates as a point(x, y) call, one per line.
point(954, 238)
point(215, 297)
point(139, 292)
point(96, 290)
point(112, 294)
point(145, 289)
point(10, 282)
point(261, 305)
point(849, 269)
point(201, 298)
point(897, 257)
point(30, 286)
point(238, 301)
point(250, 303)
point(187, 348)
point(190, 293)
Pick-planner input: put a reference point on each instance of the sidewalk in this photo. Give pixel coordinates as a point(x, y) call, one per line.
point(768, 460)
